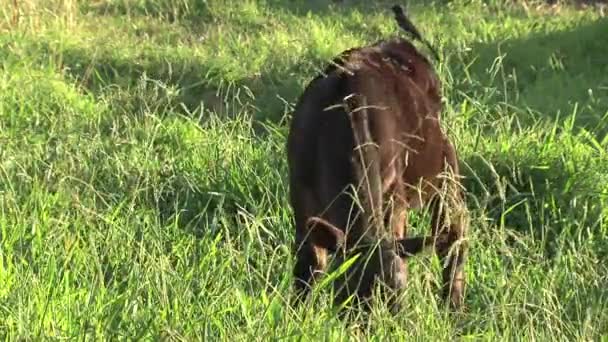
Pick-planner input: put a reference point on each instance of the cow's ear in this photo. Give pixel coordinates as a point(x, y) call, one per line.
point(324, 234)
point(413, 245)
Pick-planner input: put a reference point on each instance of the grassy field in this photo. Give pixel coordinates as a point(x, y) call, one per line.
point(143, 178)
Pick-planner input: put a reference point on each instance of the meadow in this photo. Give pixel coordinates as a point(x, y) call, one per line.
point(143, 174)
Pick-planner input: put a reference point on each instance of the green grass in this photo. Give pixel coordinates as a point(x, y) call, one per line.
point(143, 178)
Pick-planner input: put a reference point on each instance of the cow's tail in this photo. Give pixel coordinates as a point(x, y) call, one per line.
point(366, 162)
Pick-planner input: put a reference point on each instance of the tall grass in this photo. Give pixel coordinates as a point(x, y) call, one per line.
point(143, 178)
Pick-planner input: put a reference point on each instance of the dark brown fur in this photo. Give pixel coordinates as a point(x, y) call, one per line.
point(399, 166)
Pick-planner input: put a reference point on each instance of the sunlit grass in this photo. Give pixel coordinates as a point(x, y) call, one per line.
point(143, 178)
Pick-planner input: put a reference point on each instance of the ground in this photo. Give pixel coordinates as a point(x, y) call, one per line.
point(143, 178)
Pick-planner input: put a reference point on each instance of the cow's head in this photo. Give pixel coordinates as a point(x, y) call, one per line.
point(380, 260)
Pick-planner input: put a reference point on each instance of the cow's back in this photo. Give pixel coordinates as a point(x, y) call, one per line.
point(402, 91)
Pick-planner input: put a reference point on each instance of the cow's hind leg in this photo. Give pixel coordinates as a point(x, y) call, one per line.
point(449, 224)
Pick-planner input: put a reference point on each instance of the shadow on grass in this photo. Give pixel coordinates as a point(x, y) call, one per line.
point(555, 198)
point(199, 11)
point(184, 83)
point(200, 82)
point(556, 75)
point(548, 73)
point(164, 9)
point(554, 188)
